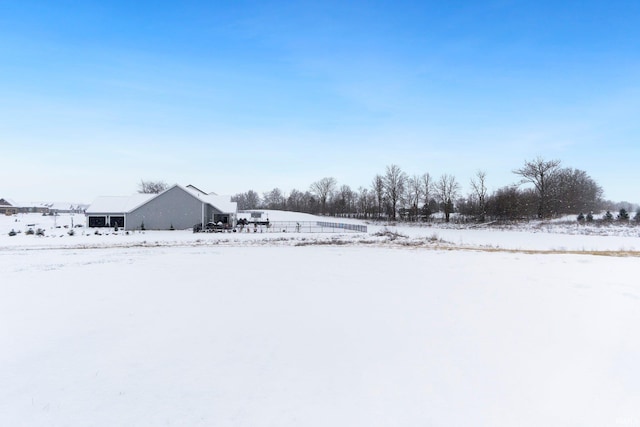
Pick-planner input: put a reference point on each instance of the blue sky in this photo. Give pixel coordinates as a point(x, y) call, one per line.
point(239, 95)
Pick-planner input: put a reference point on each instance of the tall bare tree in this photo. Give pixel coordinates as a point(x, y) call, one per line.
point(152, 187)
point(344, 200)
point(295, 201)
point(395, 183)
point(274, 199)
point(414, 194)
point(447, 190)
point(427, 192)
point(573, 190)
point(540, 172)
point(366, 200)
point(377, 186)
point(323, 189)
point(248, 200)
point(479, 187)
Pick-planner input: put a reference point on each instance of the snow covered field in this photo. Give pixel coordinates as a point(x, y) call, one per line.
point(401, 326)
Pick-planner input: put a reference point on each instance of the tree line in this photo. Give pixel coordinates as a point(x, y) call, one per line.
point(395, 195)
point(544, 189)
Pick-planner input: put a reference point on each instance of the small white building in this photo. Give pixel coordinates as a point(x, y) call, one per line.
point(175, 208)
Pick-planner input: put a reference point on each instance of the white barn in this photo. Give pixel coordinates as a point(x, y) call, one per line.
point(177, 207)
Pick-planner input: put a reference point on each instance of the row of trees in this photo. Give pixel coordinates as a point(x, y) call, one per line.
point(622, 216)
point(395, 195)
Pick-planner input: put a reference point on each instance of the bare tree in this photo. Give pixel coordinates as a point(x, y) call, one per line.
point(427, 191)
point(479, 187)
point(415, 193)
point(248, 200)
point(512, 203)
point(447, 190)
point(377, 186)
point(252, 199)
point(323, 189)
point(394, 186)
point(152, 187)
point(366, 200)
point(572, 190)
point(274, 199)
point(301, 202)
point(344, 200)
point(540, 173)
point(295, 201)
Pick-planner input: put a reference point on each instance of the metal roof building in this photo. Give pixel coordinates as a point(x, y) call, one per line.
point(175, 208)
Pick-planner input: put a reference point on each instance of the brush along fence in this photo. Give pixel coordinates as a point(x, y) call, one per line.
point(300, 227)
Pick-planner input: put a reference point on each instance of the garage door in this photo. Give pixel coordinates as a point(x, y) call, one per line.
point(97, 221)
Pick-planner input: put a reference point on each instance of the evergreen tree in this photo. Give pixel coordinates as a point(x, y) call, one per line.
point(590, 217)
point(581, 217)
point(623, 215)
point(608, 217)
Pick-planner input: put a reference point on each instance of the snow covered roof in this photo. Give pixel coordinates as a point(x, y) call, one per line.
point(61, 206)
point(121, 204)
point(193, 187)
point(50, 205)
point(118, 203)
point(222, 203)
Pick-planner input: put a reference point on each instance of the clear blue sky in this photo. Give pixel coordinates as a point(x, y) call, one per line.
point(238, 95)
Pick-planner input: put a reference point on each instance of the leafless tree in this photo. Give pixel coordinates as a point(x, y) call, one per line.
point(366, 201)
point(323, 189)
point(274, 199)
point(573, 191)
point(427, 190)
point(295, 201)
point(540, 173)
point(302, 202)
point(394, 186)
point(414, 194)
point(479, 187)
point(344, 200)
point(512, 203)
point(447, 190)
point(377, 186)
point(248, 200)
point(152, 187)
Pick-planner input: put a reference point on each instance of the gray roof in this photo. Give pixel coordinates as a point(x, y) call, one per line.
point(124, 204)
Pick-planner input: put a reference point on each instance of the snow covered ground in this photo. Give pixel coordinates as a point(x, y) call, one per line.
point(400, 326)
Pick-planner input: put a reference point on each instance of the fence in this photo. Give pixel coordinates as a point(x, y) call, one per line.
point(341, 226)
point(301, 227)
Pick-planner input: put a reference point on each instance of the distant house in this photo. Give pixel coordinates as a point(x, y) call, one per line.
point(7, 208)
point(62, 207)
point(177, 207)
point(11, 208)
